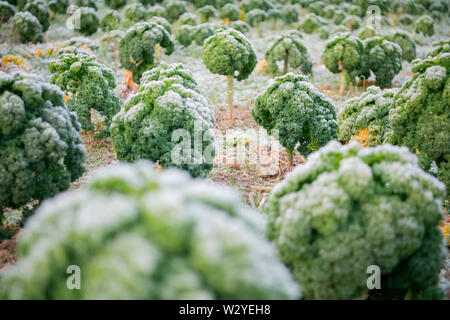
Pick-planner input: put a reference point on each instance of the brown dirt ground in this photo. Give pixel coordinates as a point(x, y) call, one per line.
point(8, 251)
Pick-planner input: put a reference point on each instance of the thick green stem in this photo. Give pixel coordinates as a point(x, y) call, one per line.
point(343, 82)
point(258, 29)
point(230, 96)
point(158, 53)
point(88, 118)
point(408, 295)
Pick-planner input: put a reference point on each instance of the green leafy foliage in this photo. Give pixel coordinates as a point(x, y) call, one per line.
point(383, 5)
point(112, 20)
point(304, 118)
point(351, 22)
point(162, 21)
point(249, 5)
point(406, 19)
point(439, 47)
point(86, 21)
point(41, 151)
point(188, 18)
point(134, 13)
point(421, 112)
point(206, 13)
point(229, 11)
point(440, 6)
point(383, 58)
point(168, 108)
point(343, 53)
point(91, 85)
point(6, 11)
point(339, 16)
point(221, 3)
point(188, 34)
point(408, 7)
point(27, 27)
point(41, 11)
point(368, 111)
point(275, 14)
point(317, 8)
point(174, 8)
point(86, 3)
point(59, 6)
point(355, 10)
point(405, 41)
point(137, 47)
point(149, 2)
point(204, 3)
point(329, 10)
point(256, 16)
point(348, 208)
point(311, 23)
point(240, 26)
point(367, 33)
point(290, 49)
point(158, 11)
point(137, 234)
point(290, 13)
point(324, 32)
point(115, 4)
point(228, 52)
point(425, 25)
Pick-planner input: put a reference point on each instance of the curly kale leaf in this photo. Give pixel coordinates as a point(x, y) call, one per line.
point(157, 11)
point(421, 112)
point(343, 53)
point(439, 47)
point(305, 118)
point(290, 49)
point(228, 52)
point(187, 34)
point(230, 11)
point(383, 58)
point(59, 6)
point(311, 23)
point(207, 12)
point(249, 5)
point(86, 21)
point(41, 151)
point(174, 9)
point(165, 121)
point(368, 111)
point(290, 13)
point(425, 25)
point(137, 47)
point(256, 16)
point(27, 27)
point(176, 238)
point(115, 4)
point(91, 85)
point(348, 208)
point(6, 11)
point(406, 43)
point(112, 20)
point(41, 11)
